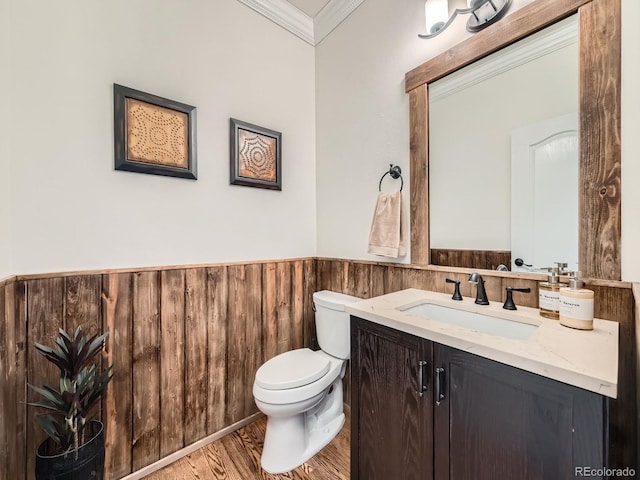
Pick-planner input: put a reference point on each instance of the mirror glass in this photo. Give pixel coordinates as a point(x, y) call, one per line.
point(503, 152)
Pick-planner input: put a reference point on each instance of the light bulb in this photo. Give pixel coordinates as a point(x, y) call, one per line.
point(436, 14)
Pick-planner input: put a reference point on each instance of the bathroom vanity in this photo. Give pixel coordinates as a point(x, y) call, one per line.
point(437, 396)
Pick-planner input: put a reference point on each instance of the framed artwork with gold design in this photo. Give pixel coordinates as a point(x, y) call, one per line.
point(153, 134)
point(256, 157)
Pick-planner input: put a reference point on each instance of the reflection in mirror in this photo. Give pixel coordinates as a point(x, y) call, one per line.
point(472, 114)
point(544, 192)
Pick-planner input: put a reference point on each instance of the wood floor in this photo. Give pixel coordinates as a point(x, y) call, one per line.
point(237, 457)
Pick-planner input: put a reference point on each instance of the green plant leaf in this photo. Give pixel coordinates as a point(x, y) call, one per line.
point(63, 348)
point(65, 384)
point(90, 349)
point(98, 388)
point(54, 357)
point(51, 398)
point(63, 334)
point(50, 427)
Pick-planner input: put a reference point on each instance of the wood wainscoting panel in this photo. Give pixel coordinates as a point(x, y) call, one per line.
point(196, 335)
point(618, 304)
point(297, 305)
point(45, 307)
point(252, 349)
point(270, 312)
point(82, 305)
point(357, 279)
point(172, 373)
point(117, 310)
point(284, 308)
point(244, 338)
point(184, 344)
point(218, 345)
point(636, 296)
point(4, 385)
point(309, 268)
point(146, 369)
point(12, 380)
point(18, 461)
point(329, 275)
point(484, 259)
point(231, 316)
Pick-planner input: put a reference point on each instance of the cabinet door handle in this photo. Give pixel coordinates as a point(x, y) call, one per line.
point(422, 387)
point(439, 385)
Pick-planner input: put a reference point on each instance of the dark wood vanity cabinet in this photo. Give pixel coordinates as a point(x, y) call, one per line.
point(389, 415)
point(476, 419)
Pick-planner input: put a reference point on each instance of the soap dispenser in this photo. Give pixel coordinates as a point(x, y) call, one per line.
point(576, 305)
point(549, 296)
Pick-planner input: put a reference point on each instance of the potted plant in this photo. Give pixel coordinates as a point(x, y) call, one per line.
point(74, 448)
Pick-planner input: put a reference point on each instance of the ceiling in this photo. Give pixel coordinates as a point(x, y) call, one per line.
point(311, 20)
point(309, 7)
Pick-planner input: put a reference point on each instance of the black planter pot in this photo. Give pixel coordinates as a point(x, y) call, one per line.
point(88, 466)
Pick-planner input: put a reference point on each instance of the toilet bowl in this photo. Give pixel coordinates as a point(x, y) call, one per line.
point(300, 391)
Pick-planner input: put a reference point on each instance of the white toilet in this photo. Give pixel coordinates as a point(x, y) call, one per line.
point(300, 391)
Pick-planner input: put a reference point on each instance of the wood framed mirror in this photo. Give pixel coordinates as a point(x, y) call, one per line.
point(599, 123)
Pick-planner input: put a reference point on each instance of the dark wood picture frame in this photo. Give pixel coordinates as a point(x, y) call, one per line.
point(256, 156)
point(153, 134)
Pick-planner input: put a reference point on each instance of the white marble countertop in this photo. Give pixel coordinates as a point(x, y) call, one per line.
point(585, 359)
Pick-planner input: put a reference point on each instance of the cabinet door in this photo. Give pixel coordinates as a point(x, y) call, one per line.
point(391, 422)
point(496, 421)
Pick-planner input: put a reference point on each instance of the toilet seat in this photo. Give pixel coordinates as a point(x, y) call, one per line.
point(335, 367)
point(292, 369)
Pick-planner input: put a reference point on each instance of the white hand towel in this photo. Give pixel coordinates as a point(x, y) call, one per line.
point(388, 230)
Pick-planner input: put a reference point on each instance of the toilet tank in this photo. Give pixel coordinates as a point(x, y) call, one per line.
point(332, 322)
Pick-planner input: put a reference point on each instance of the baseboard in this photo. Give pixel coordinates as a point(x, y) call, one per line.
point(168, 460)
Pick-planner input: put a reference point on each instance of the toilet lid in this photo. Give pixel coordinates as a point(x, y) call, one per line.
point(292, 369)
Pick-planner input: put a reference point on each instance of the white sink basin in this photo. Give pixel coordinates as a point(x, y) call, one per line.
point(473, 321)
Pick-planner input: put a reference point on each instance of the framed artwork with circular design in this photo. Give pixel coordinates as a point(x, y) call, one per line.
point(153, 134)
point(256, 157)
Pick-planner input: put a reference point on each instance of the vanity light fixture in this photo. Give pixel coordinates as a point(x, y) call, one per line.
point(482, 14)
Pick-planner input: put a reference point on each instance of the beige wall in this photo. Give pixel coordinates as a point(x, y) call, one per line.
point(71, 210)
point(630, 141)
point(5, 204)
point(362, 118)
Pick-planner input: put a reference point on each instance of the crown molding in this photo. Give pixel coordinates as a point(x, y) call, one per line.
point(549, 40)
point(285, 15)
point(332, 15)
point(311, 30)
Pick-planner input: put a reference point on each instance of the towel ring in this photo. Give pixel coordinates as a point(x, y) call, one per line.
point(395, 172)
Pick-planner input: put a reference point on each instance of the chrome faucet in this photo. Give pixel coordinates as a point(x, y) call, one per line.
point(481, 293)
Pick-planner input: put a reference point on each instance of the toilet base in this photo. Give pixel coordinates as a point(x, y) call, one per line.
point(291, 441)
point(317, 441)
